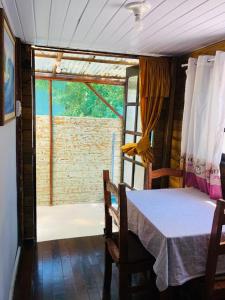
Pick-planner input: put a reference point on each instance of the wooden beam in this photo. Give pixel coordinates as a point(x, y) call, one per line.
point(103, 100)
point(78, 78)
point(94, 60)
point(50, 146)
point(58, 58)
point(79, 75)
point(87, 52)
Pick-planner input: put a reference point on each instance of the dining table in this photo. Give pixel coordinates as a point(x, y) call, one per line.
point(174, 225)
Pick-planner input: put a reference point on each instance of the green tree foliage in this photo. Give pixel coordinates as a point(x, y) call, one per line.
point(41, 84)
point(78, 100)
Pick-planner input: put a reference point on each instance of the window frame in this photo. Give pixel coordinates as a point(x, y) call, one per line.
point(132, 72)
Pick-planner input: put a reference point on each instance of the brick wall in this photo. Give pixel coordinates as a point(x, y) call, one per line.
point(82, 148)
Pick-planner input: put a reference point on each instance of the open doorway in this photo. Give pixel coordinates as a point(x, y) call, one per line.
point(79, 130)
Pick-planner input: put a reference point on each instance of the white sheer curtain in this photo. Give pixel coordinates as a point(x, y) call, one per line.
point(204, 122)
point(189, 88)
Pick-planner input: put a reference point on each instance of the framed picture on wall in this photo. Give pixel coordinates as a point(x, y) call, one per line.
point(7, 71)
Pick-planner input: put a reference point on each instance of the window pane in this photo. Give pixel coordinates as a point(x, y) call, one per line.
point(130, 118)
point(138, 137)
point(132, 89)
point(139, 173)
point(129, 138)
point(152, 138)
point(137, 157)
point(128, 166)
point(139, 120)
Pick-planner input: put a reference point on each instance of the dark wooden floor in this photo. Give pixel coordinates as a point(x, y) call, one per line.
point(70, 269)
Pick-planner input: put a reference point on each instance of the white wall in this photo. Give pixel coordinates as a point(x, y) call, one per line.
point(8, 206)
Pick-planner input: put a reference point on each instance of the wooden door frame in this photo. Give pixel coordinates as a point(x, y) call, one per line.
point(26, 212)
point(19, 167)
point(22, 211)
point(34, 142)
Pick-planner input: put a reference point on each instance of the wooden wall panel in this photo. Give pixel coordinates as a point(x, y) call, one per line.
point(209, 50)
point(27, 138)
point(177, 119)
point(164, 131)
point(159, 137)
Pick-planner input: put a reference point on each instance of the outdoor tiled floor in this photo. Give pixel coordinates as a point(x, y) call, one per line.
point(68, 221)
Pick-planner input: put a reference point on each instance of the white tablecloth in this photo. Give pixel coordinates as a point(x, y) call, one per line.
point(174, 225)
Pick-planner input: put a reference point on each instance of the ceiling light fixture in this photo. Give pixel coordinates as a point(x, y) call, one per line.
point(58, 70)
point(138, 8)
point(58, 67)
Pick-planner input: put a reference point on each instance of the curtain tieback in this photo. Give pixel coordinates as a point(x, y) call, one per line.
point(139, 148)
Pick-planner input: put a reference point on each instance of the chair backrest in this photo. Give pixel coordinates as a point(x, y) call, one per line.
point(118, 215)
point(153, 174)
point(216, 246)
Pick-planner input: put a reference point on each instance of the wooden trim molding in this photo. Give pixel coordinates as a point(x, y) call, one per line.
point(95, 60)
point(87, 52)
point(210, 49)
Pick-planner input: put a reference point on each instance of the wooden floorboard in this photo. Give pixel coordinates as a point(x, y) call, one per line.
point(71, 269)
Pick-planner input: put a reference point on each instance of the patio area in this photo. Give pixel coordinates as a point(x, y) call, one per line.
point(69, 221)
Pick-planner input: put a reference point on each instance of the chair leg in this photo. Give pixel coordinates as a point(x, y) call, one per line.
point(124, 287)
point(107, 275)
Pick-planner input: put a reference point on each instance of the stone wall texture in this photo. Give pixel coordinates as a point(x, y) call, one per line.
point(82, 148)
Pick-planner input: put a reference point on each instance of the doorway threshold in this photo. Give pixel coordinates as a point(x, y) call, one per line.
point(69, 221)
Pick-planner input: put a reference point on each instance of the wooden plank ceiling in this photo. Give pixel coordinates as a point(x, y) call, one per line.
point(170, 27)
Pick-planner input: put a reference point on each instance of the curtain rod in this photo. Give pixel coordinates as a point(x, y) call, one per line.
point(186, 65)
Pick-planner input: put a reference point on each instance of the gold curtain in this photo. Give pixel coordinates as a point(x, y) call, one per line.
point(154, 86)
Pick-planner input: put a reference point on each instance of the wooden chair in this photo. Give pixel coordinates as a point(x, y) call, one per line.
point(159, 173)
point(215, 284)
point(123, 248)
